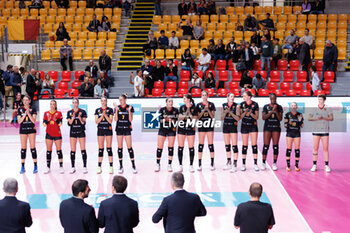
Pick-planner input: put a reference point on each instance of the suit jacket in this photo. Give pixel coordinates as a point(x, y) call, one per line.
point(118, 214)
point(14, 215)
point(304, 55)
point(77, 217)
point(250, 54)
point(178, 211)
point(105, 63)
point(94, 70)
point(31, 86)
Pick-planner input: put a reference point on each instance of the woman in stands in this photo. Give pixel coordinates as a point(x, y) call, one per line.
point(186, 129)
point(76, 119)
point(104, 119)
point(123, 117)
point(168, 118)
point(53, 122)
point(230, 115)
point(272, 115)
point(249, 127)
point(26, 116)
point(293, 122)
point(321, 116)
point(206, 114)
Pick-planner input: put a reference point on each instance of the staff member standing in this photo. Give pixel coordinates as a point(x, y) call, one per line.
point(75, 214)
point(179, 210)
point(14, 214)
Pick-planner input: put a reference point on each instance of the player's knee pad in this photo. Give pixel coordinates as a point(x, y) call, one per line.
point(131, 153)
point(159, 152)
point(72, 155)
point(34, 154)
point(255, 149)
point(265, 149)
point(191, 150)
point(235, 148)
point(59, 154)
point(211, 147)
point(288, 153)
point(228, 147)
point(109, 151)
point(48, 155)
point(23, 153)
point(275, 149)
point(200, 147)
point(244, 150)
point(120, 153)
point(297, 153)
point(84, 154)
point(100, 152)
point(171, 151)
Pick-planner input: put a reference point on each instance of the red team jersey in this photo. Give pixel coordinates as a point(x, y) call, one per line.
point(52, 119)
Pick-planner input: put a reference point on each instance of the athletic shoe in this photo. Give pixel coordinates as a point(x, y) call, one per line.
point(47, 170)
point(212, 167)
point(121, 170)
point(181, 168)
point(243, 168)
point(157, 169)
point(23, 170)
point(256, 168)
point(61, 170)
point(170, 168)
point(111, 170)
point(35, 170)
point(134, 170)
point(192, 169)
point(288, 169)
point(227, 166)
point(314, 168)
point(263, 166)
point(297, 169)
point(99, 170)
point(233, 169)
point(72, 170)
point(327, 168)
point(85, 170)
point(199, 168)
point(274, 167)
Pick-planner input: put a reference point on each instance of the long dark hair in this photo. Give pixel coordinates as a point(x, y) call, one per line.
point(189, 96)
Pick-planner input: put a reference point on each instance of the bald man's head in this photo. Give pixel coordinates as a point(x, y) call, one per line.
point(255, 190)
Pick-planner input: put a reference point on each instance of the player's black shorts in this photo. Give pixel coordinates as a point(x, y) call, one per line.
point(245, 129)
point(80, 134)
point(52, 138)
point(293, 134)
point(123, 132)
point(27, 131)
point(320, 134)
point(166, 133)
point(272, 129)
point(104, 132)
point(229, 129)
point(186, 132)
point(205, 129)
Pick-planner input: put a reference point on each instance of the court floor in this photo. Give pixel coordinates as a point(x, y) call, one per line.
point(302, 202)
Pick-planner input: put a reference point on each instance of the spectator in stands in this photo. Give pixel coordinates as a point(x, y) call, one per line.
point(30, 84)
point(16, 81)
point(202, 8)
point(258, 82)
point(230, 48)
point(239, 27)
point(198, 31)
point(266, 54)
point(23, 73)
point(2, 90)
point(36, 4)
point(163, 40)
point(204, 61)
point(304, 56)
point(173, 41)
point(98, 90)
point(106, 25)
point(267, 34)
point(182, 8)
point(157, 7)
point(246, 81)
point(247, 56)
point(306, 7)
point(277, 51)
point(256, 39)
point(158, 72)
point(318, 7)
point(192, 8)
point(196, 82)
point(187, 61)
point(170, 72)
point(62, 33)
point(47, 85)
point(330, 56)
point(91, 80)
point(147, 66)
point(105, 82)
point(236, 56)
point(16, 105)
point(294, 54)
point(211, 7)
point(8, 87)
point(290, 40)
point(138, 82)
point(105, 63)
point(315, 80)
point(127, 7)
point(94, 24)
point(108, 4)
point(307, 38)
point(66, 53)
point(151, 44)
point(268, 23)
point(219, 51)
point(210, 81)
point(211, 48)
point(62, 3)
point(38, 82)
point(187, 29)
point(255, 49)
point(250, 23)
point(92, 68)
point(86, 89)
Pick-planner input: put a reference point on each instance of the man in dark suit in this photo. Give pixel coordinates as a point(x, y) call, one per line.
point(31, 85)
point(247, 56)
point(304, 55)
point(179, 209)
point(118, 214)
point(14, 214)
point(105, 63)
point(75, 215)
point(92, 68)
point(94, 24)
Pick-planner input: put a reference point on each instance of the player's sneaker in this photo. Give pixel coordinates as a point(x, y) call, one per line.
point(181, 168)
point(134, 170)
point(288, 169)
point(274, 167)
point(263, 166)
point(23, 170)
point(243, 168)
point(233, 169)
point(256, 168)
point(199, 168)
point(111, 170)
point(47, 170)
point(99, 170)
point(192, 169)
point(212, 167)
point(72, 170)
point(327, 168)
point(35, 170)
point(85, 170)
point(157, 168)
point(314, 168)
point(297, 169)
point(227, 166)
point(61, 170)
point(121, 170)
point(170, 168)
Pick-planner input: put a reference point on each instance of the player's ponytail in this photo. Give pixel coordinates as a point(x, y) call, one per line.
point(189, 96)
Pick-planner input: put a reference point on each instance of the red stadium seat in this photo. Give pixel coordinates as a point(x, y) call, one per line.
point(319, 92)
point(171, 84)
point(282, 65)
point(211, 91)
point(291, 93)
point(236, 76)
point(217, 85)
point(73, 93)
point(183, 84)
point(275, 76)
point(220, 65)
point(271, 86)
point(42, 75)
point(305, 93)
point(319, 65)
point(223, 75)
point(222, 92)
point(284, 86)
point(157, 92)
point(185, 75)
point(182, 91)
point(278, 92)
point(298, 87)
point(233, 85)
point(251, 74)
point(66, 76)
point(159, 84)
point(63, 86)
point(263, 92)
point(176, 62)
point(54, 75)
point(77, 74)
point(326, 87)
point(196, 92)
point(252, 91)
point(230, 65)
point(74, 85)
point(263, 74)
point(199, 72)
point(45, 95)
point(164, 63)
point(211, 66)
point(196, 63)
point(288, 76)
point(257, 65)
point(328, 77)
point(236, 92)
point(152, 63)
point(170, 92)
point(294, 65)
point(308, 86)
point(59, 93)
point(302, 76)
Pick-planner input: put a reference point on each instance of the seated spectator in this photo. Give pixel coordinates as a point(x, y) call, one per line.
point(315, 80)
point(247, 56)
point(98, 90)
point(255, 39)
point(173, 41)
point(182, 8)
point(239, 27)
point(246, 81)
point(16, 105)
point(105, 63)
point(127, 7)
point(147, 66)
point(62, 33)
point(250, 23)
point(92, 80)
point(86, 74)
point(210, 81)
point(192, 8)
point(66, 52)
point(108, 4)
point(106, 25)
point(267, 34)
point(290, 40)
point(62, 3)
point(277, 51)
point(236, 56)
point(170, 72)
point(230, 47)
point(294, 53)
point(163, 40)
point(196, 82)
point(318, 7)
point(94, 24)
point(86, 89)
point(258, 82)
point(219, 51)
point(187, 61)
point(202, 8)
point(149, 82)
point(198, 31)
point(307, 38)
point(47, 85)
point(255, 49)
point(211, 7)
point(187, 30)
point(211, 48)
point(268, 23)
point(138, 82)
point(158, 72)
point(204, 61)
point(92, 68)
point(105, 82)
point(151, 44)
point(36, 4)
point(306, 7)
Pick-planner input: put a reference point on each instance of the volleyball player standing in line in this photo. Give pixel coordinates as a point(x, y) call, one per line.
point(26, 115)
point(76, 119)
point(104, 119)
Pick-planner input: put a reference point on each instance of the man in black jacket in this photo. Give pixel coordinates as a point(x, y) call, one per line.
point(14, 214)
point(16, 81)
point(75, 214)
point(179, 209)
point(31, 85)
point(94, 24)
point(92, 68)
point(304, 55)
point(86, 89)
point(247, 56)
point(105, 63)
point(230, 48)
point(330, 56)
point(118, 214)
point(170, 72)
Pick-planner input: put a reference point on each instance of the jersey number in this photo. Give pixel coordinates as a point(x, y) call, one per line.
point(123, 117)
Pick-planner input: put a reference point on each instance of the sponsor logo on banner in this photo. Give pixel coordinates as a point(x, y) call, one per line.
point(301, 107)
point(346, 107)
point(151, 119)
